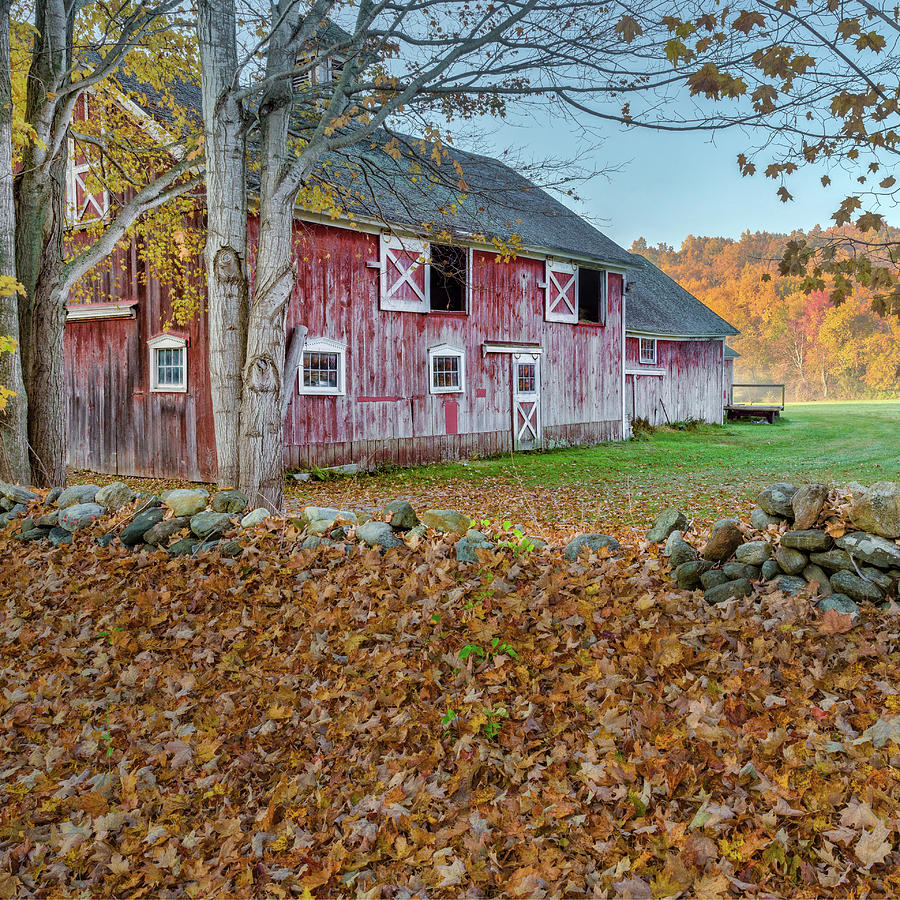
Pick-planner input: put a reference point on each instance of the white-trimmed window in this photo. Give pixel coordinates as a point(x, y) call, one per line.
point(561, 292)
point(168, 364)
point(647, 351)
point(446, 370)
point(323, 367)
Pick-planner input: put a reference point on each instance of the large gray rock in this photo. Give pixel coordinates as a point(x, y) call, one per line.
point(256, 517)
point(720, 523)
point(876, 576)
point(832, 560)
point(446, 520)
point(807, 504)
point(840, 603)
point(79, 515)
point(114, 496)
point(466, 547)
point(856, 588)
point(232, 501)
point(17, 494)
point(871, 549)
point(401, 515)
point(186, 501)
point(593, 542)
point(207, 524)
point(761, 520)
point(775, 500)
point(679, 551)
point(378, 534)
point(809, 540)
point(32, 534)
point(791, 584)
point(667, 521)
point(50, 520)
point(713, 578)
point(162, 531)
point(319, 520)
point(728, 591)
point(813, 573)
point(133, 533)
point(791, 561)
point(770, 569)
point(878, 510)
point(184, 547)
point(723, 542)
point(688, 574)
point(78, 493)
point(59, 535)
point(754, 553)
point(314, 541)
point(735, 570)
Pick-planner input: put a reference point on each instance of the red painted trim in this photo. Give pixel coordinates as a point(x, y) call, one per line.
point(377, 399)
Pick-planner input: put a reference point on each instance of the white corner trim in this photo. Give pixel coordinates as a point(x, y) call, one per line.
point(87, 311)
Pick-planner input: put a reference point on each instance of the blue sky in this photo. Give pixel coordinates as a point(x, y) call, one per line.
point(668, 186)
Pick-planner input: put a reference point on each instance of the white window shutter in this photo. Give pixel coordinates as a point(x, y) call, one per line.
point(405, 275)
point(562, 292)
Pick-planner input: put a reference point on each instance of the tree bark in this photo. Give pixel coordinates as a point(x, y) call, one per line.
point(226, 243)
point(14, 465)
point(40, 220)
point(262, 406)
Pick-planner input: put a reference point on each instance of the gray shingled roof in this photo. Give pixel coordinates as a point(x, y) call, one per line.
point(731, 354)
point(657, 304)
point(495, 201)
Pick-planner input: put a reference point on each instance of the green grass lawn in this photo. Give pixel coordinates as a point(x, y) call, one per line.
point(709, 472)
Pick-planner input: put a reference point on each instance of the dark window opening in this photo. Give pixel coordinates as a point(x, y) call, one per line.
point(591, 295)
point(449, 276)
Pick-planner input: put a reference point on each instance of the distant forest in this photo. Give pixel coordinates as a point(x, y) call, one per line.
point(818, 350)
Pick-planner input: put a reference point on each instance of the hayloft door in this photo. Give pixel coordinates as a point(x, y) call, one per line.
point(526, 401)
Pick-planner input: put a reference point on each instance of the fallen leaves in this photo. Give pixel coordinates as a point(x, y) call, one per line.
point(303, 723)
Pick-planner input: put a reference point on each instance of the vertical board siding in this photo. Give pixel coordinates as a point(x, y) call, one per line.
point(116, 424)
point(387, 395)
point(387, 413)
point(690, 387)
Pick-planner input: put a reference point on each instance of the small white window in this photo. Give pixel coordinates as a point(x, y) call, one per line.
point(323, 367)
point(648, 351)
point(168, 364)
point(446, 370)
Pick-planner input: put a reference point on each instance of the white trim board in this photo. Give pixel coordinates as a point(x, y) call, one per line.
point(658, 372)
point(510, 347)
point(87, 311)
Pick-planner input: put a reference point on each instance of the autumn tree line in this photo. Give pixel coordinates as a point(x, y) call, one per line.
point(820, 350)
point(288, 94)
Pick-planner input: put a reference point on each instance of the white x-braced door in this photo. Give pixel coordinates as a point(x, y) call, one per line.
point(526, 401)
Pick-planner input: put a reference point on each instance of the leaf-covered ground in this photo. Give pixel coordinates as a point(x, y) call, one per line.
point(310, 723)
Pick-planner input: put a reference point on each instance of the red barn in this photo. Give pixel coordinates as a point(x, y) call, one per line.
point(674, 351)
point(498, 327)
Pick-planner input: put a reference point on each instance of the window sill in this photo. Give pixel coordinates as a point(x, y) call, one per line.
point(439, 391)
point(309, 393)
point(453, 313)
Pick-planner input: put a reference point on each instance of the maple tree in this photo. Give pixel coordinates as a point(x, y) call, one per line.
point(62, 58)
point(818, 348)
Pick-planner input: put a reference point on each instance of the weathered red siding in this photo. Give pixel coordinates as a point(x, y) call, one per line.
point(116, 423)
point(689, 388)
point(388, 414)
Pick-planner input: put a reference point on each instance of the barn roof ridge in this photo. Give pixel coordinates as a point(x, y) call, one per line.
point(655, 303)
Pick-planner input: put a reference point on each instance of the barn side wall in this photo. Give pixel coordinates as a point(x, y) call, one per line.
point(388, 414)
point(690, 386)
point(117, 424)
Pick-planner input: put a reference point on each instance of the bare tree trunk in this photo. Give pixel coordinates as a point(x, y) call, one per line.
point(262, 407)
point(14, 418)
point(226, 243)
point(39, 191)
